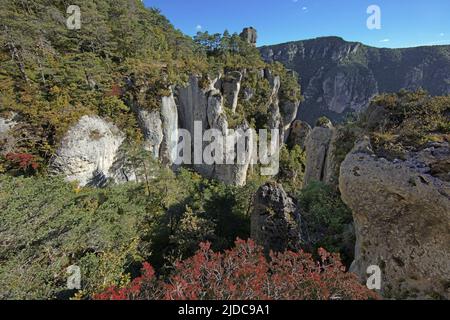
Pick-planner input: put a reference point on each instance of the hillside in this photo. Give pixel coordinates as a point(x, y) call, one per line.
point(339, 77)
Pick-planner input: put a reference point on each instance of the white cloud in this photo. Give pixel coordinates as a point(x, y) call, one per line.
point(198, 28)
point(439, 42)
point(385, 40)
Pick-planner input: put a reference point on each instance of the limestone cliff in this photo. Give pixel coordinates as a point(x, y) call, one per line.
point(338, 77)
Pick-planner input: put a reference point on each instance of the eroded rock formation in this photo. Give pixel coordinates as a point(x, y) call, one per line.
point(318, 148)
point(88, 151)
point(275, 220)
point(298, 133)
point(402, 218)
point(250, 35)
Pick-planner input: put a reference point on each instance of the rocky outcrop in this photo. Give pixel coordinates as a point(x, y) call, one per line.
point(196, 107)
point(231, 86)
point(206, 106)
point(401, 211)
point(318, 151)
point(169, 118)
point(151, 127)
point(7, 123)
point(192, 104)
point(249, 35)
point(298, 133)
point(160, 129)
point(275, 220)
point(88, 151)
point(338, 77)
point(288, 111)
point(7, 139)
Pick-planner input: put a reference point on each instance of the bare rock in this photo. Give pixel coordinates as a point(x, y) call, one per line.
point(169, 119)
point(402, 220)
point(151, 126)
point(231, 86)
point(300, 130)
point(317, 150)
point(288, 110)
point(249, 35)
point(88, 151)
point(275, 220)
point(7, 139)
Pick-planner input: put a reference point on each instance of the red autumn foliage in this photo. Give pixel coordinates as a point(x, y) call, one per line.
point(22, 161)
point(116, 91)
point(243, 273)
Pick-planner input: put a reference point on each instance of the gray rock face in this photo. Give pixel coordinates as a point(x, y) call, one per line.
point(169, 119)
point(248, 94)
point(88, 151)
point(7, 140)
point(7, 123)
point(231, 86)
point(215, 112)
point(151, 126)
point(160, 129)
point(236, 174)
point(207, 106)
point(402, 219)
point(249, 35)
point(338, 77)
point(288, 110)
point(317, 149)
point(192, 104)
point(300, 130)
point(347, 86)
point(275, 220)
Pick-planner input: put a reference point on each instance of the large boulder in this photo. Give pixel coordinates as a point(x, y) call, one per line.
point(402, 219)
point(88, 151)
point(275, 220)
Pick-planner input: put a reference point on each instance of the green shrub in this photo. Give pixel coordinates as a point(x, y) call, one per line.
point(327, 219)
point(48, 225)
point(292, 168)
point(413, 119)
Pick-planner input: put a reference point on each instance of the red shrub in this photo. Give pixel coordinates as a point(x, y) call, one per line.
point(22, 161)
point(116, 91)
point(244, 274)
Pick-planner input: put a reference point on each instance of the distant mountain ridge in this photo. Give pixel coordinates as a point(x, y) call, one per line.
point(339, 77)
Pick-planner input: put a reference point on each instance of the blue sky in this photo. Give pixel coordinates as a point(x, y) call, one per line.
point(404, 23)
